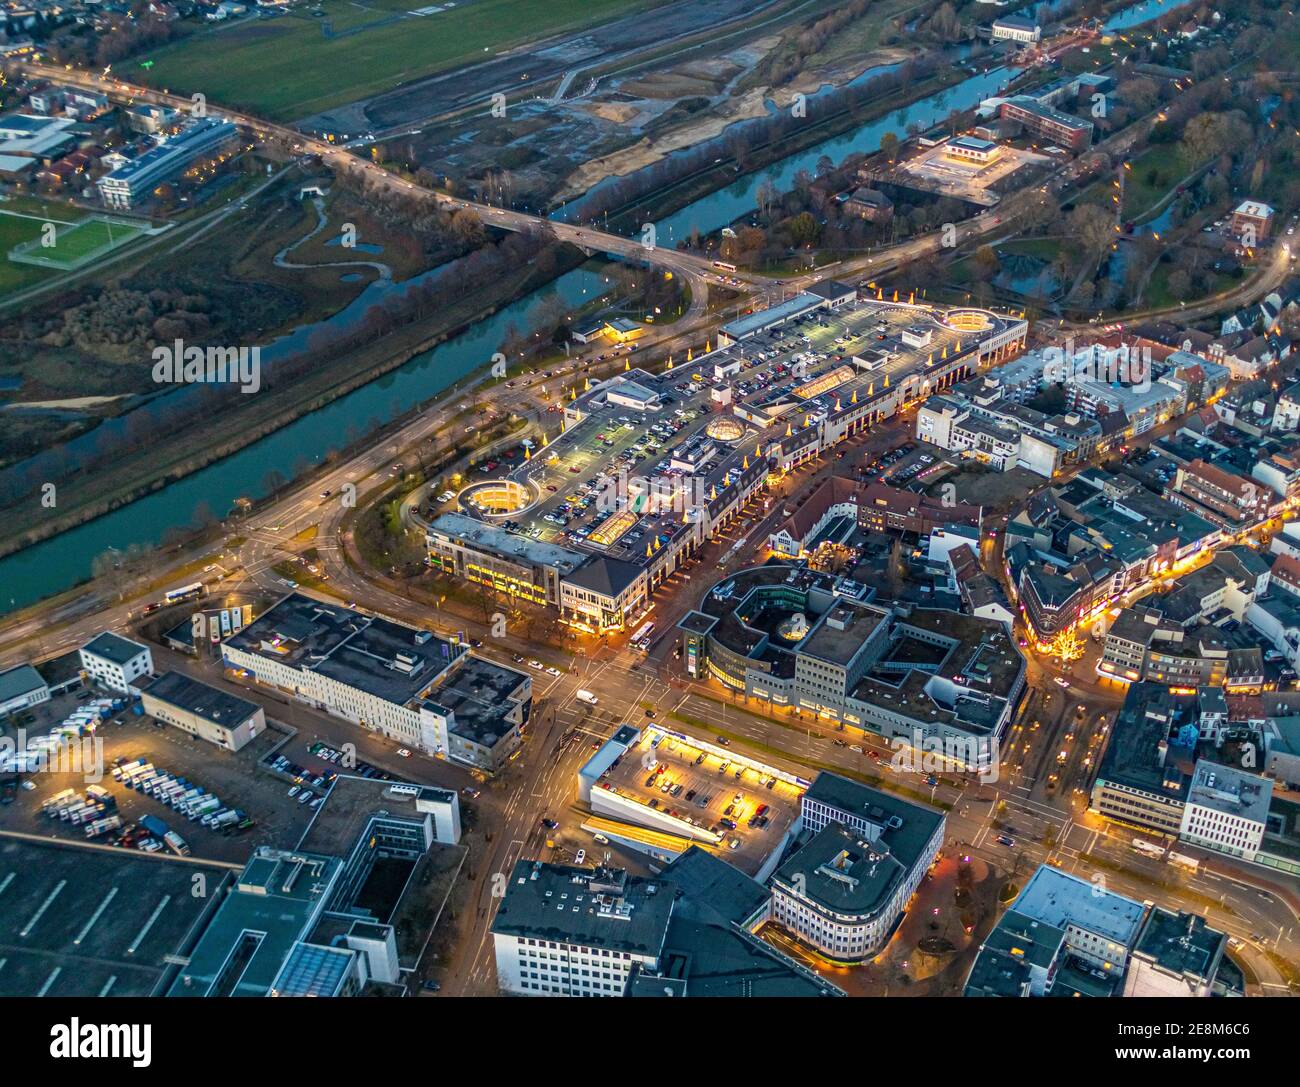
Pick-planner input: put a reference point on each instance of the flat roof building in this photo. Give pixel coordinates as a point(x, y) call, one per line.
point(116, 662)
point(85, 921)
point(566, 931)
point(1100, 926)
point(132, 182)
point(202, 710)
point(845, 890)
point(404, 682)
point(1177, 954)
point(1226, 810)
point(21, 687)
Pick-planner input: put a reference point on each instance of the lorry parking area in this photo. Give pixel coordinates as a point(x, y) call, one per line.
point(234, 778)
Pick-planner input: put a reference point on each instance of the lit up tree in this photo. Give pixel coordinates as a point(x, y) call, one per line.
point(1066, 645)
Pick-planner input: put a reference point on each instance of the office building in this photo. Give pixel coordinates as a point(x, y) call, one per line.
point(116, 662)
point(403, 682)
point(845, 889)
point(1226, 810)
point(133, 182)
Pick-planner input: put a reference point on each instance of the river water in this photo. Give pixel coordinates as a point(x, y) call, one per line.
point(62, 561)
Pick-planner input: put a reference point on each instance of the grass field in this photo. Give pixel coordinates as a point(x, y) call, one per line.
point(1154, 173)
point(74, 244)
point(284, 68)
point(17, 230)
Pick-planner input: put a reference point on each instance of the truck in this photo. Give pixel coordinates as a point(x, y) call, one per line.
point(154, 826)
point(187, 797)
point(587, 697)
point(102, 826)
point(52, 804)
point(207, 804)
point(99, 793)
point(88, 814)
point(138, 770)
point(227, 818)
point(176, 844)
point(69, 810)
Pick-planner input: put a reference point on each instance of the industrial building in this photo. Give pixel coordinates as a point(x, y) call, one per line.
point(202, 710)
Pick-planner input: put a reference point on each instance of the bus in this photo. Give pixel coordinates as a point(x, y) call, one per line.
point(641, 639)
point(185, 592)
point(724, 266)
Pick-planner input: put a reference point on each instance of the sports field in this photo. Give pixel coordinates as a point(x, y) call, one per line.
point(21, 220)
point(72, 245)
point(285, 67)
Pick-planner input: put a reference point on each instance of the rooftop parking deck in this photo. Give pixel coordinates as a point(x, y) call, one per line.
point(706, 788)
point(628, 473)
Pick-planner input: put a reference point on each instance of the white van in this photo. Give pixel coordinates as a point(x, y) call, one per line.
point(587, 697)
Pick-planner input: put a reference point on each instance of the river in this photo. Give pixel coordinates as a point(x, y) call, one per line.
point(64, 560)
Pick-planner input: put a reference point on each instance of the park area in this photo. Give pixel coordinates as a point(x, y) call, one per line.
point(339, 51)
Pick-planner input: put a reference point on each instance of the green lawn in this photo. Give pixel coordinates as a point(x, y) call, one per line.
point(284, 68)
point(75, 244)
point(1154, 173)
point(1042, 248)
point(1158, 294)
point(15, 231)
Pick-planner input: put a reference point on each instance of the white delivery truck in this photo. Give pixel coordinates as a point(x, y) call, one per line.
point(587, 697)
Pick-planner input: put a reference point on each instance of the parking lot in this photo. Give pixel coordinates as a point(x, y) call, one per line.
point(234, 778)
point(713, 792)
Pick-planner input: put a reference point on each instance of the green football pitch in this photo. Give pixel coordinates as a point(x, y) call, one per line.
point(67, 246)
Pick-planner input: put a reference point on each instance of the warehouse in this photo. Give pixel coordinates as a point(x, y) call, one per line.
point(203, 711)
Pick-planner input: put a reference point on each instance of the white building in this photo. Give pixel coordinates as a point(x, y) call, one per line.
point(21, 687)
point(116, 662)
point(1226, 810)
point(204, 711)
point(1016, 28)
point(405, 683)
point(1100, 926)
point(844, 890)
point(563, 931)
